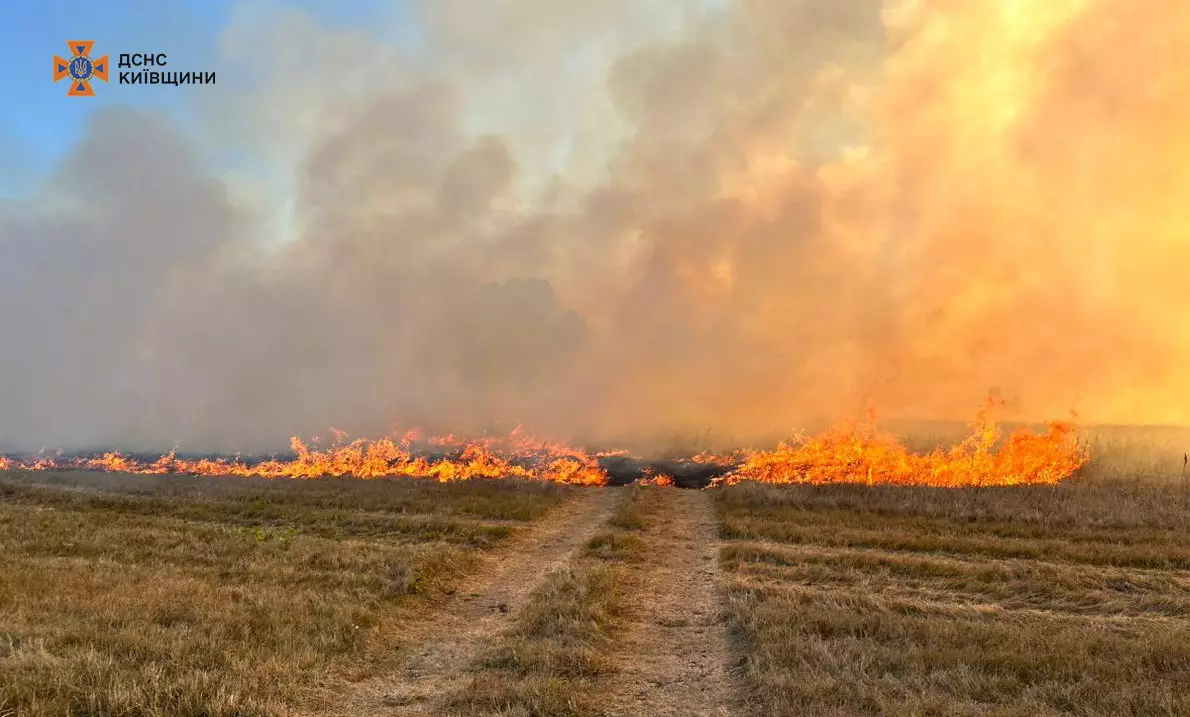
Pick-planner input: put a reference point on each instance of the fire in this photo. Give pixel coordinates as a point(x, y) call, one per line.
point(513, 457)
point(856, 452)
point(853, 452)
point(657, 478)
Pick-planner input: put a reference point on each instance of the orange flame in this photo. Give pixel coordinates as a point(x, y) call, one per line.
point(514, 457)
point(858, 453)
point(657, 478)
point(853, 452)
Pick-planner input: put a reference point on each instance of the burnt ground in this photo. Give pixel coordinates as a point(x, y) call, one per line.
point(622, 470)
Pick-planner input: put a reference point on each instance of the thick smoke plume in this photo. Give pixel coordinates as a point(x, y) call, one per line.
point(615, 219)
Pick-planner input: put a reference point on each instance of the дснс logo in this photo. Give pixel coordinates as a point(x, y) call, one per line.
point(80, 68)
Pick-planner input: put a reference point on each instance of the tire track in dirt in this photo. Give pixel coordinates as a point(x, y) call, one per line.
point(675, 658)
point(482, 610)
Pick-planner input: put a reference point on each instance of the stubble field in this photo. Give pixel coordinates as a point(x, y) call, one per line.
point(174, 595)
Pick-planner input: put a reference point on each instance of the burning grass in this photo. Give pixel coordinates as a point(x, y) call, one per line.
point(857, 452)
point(456, 460)
point(166, 595)
point(853, 452)
point(1041, 600)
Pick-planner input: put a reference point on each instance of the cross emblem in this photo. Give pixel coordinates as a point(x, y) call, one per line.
point(80, 68)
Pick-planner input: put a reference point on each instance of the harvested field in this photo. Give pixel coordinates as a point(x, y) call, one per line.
point(847, 600)
point(224, 597)
point(147, 596)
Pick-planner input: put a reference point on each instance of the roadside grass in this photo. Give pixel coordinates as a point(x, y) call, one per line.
point(1049, 600)
point(562, 645)
point(150, 596)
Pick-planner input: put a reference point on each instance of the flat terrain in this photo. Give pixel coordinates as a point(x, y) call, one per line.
point(1022, 601)
point(147, 596)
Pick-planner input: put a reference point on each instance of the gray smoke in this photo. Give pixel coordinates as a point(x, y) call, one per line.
point(618, 221)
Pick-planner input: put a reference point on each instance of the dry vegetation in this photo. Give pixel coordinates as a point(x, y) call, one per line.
point(563, 644)
point(149, 596)
point(175, 596)
point(1072, 599)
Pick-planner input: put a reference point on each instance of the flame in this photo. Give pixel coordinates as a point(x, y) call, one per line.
point(657, 478)
point(852, 452)
point(856, 452)
point(513, 457)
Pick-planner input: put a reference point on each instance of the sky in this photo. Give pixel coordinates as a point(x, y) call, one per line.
point(46, 123)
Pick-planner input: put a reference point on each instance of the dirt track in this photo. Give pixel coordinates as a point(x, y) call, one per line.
point(480, 611)
point(675, 657)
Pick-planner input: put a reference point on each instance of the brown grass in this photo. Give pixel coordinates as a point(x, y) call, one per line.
point(1070, 599)
point(147, 596)
point(168, 595)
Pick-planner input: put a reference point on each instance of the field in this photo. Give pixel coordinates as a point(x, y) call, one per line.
point(1050, 601)
point(230, 597)
point(181, 596)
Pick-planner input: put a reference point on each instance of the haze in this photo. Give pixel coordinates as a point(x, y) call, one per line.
point(614, 219)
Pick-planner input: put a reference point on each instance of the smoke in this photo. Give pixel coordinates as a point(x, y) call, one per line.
point(620, 220)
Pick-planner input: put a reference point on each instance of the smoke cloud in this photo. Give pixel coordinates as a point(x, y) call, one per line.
point(619, 220)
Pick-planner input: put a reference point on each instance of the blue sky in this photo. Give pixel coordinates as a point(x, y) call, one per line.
point(40, 123)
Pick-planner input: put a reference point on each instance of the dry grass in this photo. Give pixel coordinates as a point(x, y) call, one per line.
point(563, 643)
point(166, 595)
point(156, 596)
point(1072, 599)
point(1132, 453)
